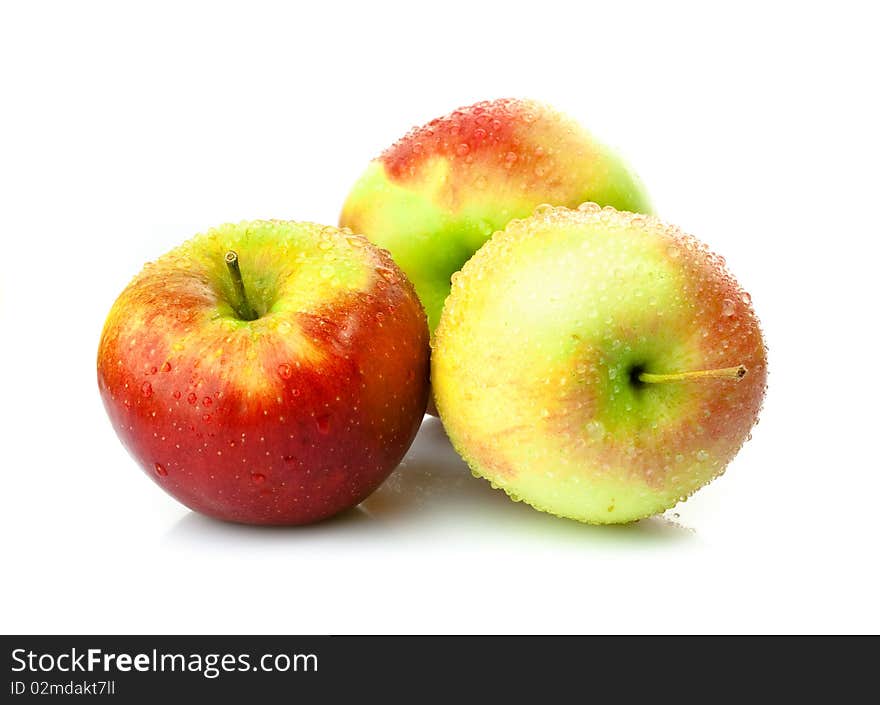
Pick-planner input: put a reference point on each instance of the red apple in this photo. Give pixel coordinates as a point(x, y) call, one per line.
point(267, 372)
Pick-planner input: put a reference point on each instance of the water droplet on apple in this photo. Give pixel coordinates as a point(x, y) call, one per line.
point(207, 401)
point(595, 430)
point(258, 478)
point(206, 418)
point(325, 244)
point(191, 398)
point(166, 367)
point(746, 299)
point(544, 208)
point(727, 307)
point(160, 470)
point(702, 455)
point(323, 424)
point(147, 389)
point(285, 370)
point(462, 149)
point(355, 241)
point(387, 274)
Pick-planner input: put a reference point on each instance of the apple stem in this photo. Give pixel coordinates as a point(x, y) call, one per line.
point(736, 373)
point(242, 306)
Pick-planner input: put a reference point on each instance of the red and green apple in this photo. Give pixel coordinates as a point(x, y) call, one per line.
point(434, 197)
point(598, 365)
point(267, 372)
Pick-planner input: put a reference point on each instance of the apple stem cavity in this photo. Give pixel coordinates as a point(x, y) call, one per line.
point(241, 304)
point(736, 373)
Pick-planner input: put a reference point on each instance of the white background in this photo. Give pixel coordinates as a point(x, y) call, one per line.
point(128, 128)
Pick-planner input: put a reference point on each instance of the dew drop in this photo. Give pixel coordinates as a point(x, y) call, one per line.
point(206, 418)
point(176, 394)
point(207, 401)
point(191, 398)
point(147, 389)
point(595, 430)
point(160, 470)
point(462, 149)
point(727, 307)
point(746, 299)
point(543, 209)
point(258, 478)
point(323, 424)
point(166, 367)
point(285, 370)
point(355, 241)
point(702, 455)
point(387, 274)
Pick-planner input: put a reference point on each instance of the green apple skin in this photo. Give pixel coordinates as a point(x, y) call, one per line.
point(536, 363)
point(434, 197)
point(288, 418)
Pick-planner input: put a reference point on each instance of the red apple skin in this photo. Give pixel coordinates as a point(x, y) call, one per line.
point(288, 419)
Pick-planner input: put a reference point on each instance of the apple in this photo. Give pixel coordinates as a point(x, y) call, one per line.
point(434, 197)
point(596, 364)
point(267, 372)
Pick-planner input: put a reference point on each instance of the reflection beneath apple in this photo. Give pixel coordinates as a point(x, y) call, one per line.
point(193, 527)
point(433, 492)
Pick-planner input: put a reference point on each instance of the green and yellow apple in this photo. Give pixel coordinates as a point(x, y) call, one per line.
point(596, 364)
point(267, 372)
point(438, 194)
